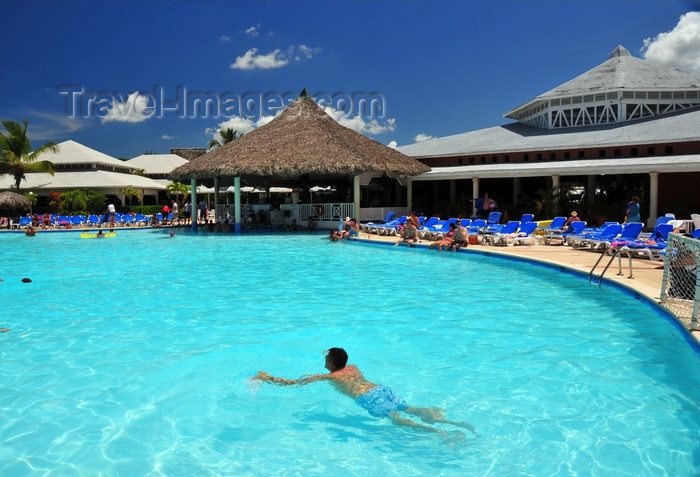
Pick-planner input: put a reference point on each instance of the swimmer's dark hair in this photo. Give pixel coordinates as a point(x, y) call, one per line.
point(338, 357)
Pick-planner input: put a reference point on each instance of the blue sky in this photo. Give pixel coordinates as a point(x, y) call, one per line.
point(440, 68)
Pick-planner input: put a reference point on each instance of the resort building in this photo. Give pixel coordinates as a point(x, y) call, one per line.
point(157, 166)
point(626, 127)
point(80, 167)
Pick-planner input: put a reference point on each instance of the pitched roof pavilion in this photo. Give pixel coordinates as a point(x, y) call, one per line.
point(302, 140)
point(622, 88)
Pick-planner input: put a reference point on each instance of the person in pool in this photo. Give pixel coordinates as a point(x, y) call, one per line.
point(378, 400)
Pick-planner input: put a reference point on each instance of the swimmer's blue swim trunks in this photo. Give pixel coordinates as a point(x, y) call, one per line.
point(380, 401)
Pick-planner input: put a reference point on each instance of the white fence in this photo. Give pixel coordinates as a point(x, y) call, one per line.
point(261, 213)
point(680, 287)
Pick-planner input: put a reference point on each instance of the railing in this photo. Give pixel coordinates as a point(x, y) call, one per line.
point(326, 211)
point(680, 287)
point(260, 212)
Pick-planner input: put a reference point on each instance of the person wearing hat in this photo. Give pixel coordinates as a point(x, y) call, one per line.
point(350, 228)
point(572, 218)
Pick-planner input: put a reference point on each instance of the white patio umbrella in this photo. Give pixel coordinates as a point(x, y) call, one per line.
point(281, 190)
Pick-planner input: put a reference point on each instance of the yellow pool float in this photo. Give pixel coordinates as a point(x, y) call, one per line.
point(86, 235)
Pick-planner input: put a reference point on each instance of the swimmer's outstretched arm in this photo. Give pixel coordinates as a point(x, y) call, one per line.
point(263, 376)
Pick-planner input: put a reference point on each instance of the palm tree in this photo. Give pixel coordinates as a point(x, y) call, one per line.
point(227, 135)
point(177, 188)
point(131, 193)
point(16, 154)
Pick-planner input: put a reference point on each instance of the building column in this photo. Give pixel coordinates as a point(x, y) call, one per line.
point(590, 193)
point(653, 198)
point(195, 207)
point(475, 194)
point(356, 197)
point(216, 200)
point(517, 182)
point(237, 202)
point(555, 196)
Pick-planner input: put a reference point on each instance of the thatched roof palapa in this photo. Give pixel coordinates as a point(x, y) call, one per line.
point(302, 140)
point(14, 201)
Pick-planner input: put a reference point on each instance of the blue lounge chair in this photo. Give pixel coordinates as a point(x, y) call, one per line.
point(475, 226)
point(427, 226)
point(575, 229)
point(526, 233)
point(609, 233)
point(526, 218)
point(652, 247)
point(25, 221)
point(507, 231)
point(391, 227)
point(557, 226)
point(370, 227)
point(630, 231)
point(437, 231)
point(561, 238)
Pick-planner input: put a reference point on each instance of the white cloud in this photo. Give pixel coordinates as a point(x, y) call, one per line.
point(356, 123)
point(360, 124)
point(167, 137)
point(53, 125)
point(225, 38)
point(423, 137)
point(253, 31)
point(134, 110)
point(680, 47)
point(251, 60)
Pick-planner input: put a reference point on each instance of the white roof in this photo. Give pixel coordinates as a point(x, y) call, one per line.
point(92, 179)
point(621, 72)
point(516, 137)
point(157, 163)
point(624, 71)
point(637, 165)
point(71, 152)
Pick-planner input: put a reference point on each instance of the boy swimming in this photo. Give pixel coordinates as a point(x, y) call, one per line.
point(378, 400)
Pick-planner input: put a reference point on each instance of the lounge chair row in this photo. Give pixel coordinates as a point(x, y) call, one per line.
point(628, 238)
point(76, 221)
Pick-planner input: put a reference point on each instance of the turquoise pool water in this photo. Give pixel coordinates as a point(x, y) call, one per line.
point(130, 356)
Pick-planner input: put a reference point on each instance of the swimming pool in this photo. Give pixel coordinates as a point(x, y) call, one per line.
point(131, 356)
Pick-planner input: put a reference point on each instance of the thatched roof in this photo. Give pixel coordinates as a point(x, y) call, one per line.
point(14, 201)
point(302, 140)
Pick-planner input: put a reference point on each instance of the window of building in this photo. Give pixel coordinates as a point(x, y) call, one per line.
point(601, 153)
point(617, 152)
point(668, 150)
point(494, 159)
point(461, 161)
point(471, 160)
point(634, 152)
point(483, 159)
point(567, 155)
point(506, 158)
point(581, 154)
point(526, 157)
point(651, 151)
point(552, 156)
point(539, 156)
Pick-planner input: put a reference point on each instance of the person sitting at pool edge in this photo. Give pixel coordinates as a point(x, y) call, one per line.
point(350, 228)
point(378, 400)
point(409, 234)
